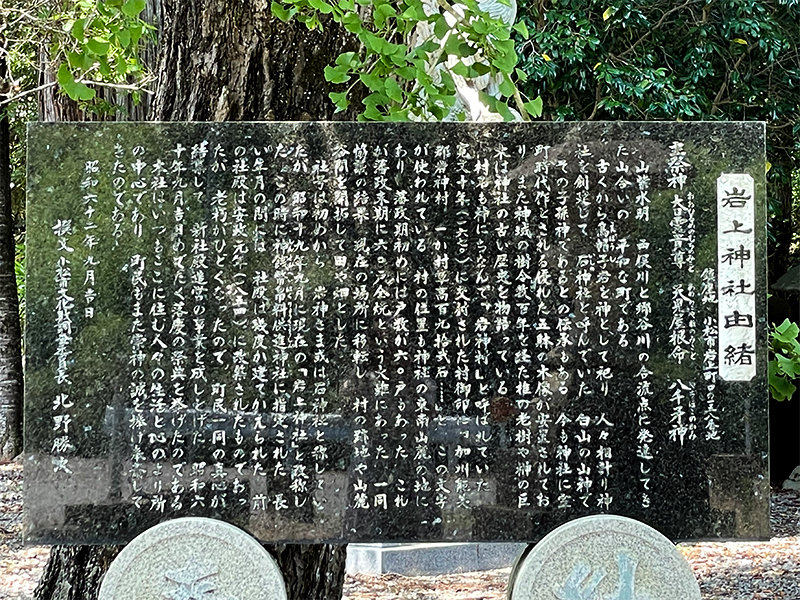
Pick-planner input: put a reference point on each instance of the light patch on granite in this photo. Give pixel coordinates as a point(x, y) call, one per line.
point(604, 557)
point(190, 559)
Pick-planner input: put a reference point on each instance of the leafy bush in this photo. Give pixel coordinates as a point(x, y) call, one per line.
point(785, 363)
point(402, 69)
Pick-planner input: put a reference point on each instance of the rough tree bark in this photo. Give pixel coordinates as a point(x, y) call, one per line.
point(10, 334)
point(221, 60)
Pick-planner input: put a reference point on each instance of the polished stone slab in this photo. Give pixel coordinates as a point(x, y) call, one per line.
point(395, 332)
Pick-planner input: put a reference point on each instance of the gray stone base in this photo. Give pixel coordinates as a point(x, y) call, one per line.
point(430, 559)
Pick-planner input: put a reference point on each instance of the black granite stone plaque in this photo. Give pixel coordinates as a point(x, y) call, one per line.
point(395, 332)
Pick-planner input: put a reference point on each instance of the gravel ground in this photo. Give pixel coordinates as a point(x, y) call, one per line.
point(726, 570)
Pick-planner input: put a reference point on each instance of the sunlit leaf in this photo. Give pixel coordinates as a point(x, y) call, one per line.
point(277, 9)
point(336, 74)
point(132, 8)
point(534, 107)
point(393, 90)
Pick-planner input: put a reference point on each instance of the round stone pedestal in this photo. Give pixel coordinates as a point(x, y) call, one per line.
point(193, 558)
point(603, 557)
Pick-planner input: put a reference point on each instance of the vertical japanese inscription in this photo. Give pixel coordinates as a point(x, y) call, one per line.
point(737, 276)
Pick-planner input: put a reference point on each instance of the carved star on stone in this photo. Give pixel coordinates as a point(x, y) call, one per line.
point(191, 581)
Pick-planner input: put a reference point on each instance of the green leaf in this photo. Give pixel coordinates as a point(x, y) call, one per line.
point(460, 69)
point(98, 46)
point(427, 47)
point(124, 38)
point(73, 89)
point(521, 75)
point(502, 108)
point(378, 19)
point(78, 29)
point(465, 49)
point(383, 12)
point(374, 83)
point(452, 46)
point(534, 107)
point(447, 83)
point(352, 23)
point(506, 62)
point(132, 8)
point(780, 387)
point(64, 75)
point(376, 99)
point(507, 87)
point(103, 66)
point(277, 9)
point(321, 6)
point(414, 12)
point(521, 29)
point(337, 75)
point(372, 114)
point(441, 27)
point(79, 91)
point(789, 366)
point(75, 60)
point(340, 100)
point(407, 73)
point(787, 331)
point(348, 59)
point(373, 42)
point(393, 50)
point(609, 12)
point(136, 33)
point(393, 90)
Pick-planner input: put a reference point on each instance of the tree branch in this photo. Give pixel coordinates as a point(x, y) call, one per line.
point(10, 99)
point(118, 86)
point(656, 26)
point(718, 97)
point(596, 100)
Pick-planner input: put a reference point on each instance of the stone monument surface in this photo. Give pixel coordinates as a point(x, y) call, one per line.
point(395, 332)
point(193, 558)
point(604, 557)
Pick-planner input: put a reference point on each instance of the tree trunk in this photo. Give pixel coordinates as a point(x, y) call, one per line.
point(10, 333)
point(223, 60)
point(75, 572)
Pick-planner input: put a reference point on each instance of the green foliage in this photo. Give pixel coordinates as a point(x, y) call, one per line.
point(101, 45)
point(90, 43)
point(408, 57)
point(733, 59)
point(794, 252)
point(785, 363)
point(730, 60)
